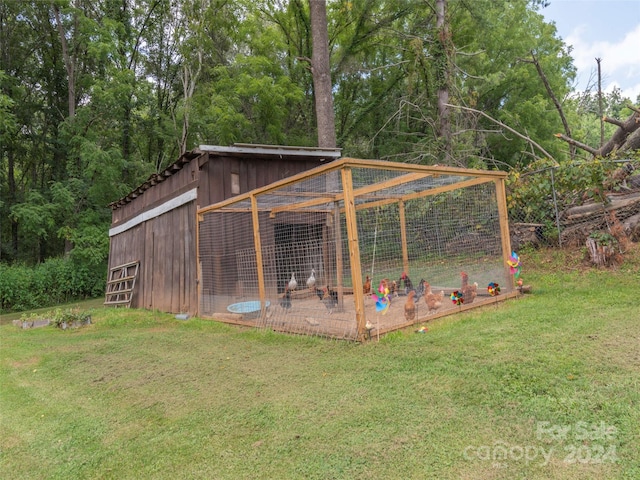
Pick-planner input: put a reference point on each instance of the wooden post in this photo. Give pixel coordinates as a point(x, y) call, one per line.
point(258, 246)
point(339, 260)
point(503, 216)
point(354, 250)
point(403, 235)
point(199, 218)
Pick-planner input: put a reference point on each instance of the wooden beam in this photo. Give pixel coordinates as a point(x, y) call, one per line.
point(425, 193)
point(392, 182)
point(258, 246)
point(447, 188)
point(403, 236)
point(354, 250)
point(505, 236)
point(375, 187)
point(300, 205)
point(337, 165)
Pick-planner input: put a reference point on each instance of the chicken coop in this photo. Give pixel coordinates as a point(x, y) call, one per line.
point(356, 248)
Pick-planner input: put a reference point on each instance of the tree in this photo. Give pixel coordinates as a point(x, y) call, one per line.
point(320, 67)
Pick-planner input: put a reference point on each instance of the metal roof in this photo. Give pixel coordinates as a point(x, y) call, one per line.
point(273, 150)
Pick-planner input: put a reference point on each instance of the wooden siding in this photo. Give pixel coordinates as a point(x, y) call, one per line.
point(166, 245)
point(215, 184)
point(174, 184)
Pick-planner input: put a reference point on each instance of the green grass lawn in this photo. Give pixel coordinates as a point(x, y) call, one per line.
point(540, 387)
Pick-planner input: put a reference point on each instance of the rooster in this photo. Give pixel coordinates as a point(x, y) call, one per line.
point(366, 287)
point(408, 284)
point(410, 307)
point(433, 301)
point(328, 297)
point(469, 292)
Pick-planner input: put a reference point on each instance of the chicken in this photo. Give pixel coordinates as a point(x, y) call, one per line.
point(293, 284)
point(366, 287)
point(433, 300)
point(328, 297)
point(311, 281)
point(410, 307)
point(285, 301)
point(420, 289)
point(469, 292)
point(408, 284)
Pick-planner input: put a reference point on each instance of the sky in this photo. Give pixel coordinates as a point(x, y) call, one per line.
point(605, 29)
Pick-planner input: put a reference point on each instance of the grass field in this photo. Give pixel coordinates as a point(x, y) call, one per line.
point(546, 386)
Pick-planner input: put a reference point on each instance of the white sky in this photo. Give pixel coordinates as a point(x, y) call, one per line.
point(605, 29)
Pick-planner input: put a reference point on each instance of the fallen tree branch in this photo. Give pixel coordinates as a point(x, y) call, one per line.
point(576, 143)
point(498, 122)
point(613, 121)
point(620, 136)
point(547, 86)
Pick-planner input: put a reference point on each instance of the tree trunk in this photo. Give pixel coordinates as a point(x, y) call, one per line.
point(68, 63)
point(443, 76)
point(547, 86)
point(321, 72)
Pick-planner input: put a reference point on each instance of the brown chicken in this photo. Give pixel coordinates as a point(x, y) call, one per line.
point(469, 292)
point(366, 287)
point(410, 307)
point(433, 300)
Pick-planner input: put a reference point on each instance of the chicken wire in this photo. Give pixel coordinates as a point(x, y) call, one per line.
point(334, 228)
point(565, 204)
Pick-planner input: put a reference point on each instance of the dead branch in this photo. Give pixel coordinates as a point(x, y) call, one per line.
point(547, 86)
point(619, 137)
point(635, 109)
point(498, 122)
point(580, 145)
point(614, 121)
point(632, 143)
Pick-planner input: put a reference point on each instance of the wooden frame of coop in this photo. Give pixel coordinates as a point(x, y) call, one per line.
point(241, 253)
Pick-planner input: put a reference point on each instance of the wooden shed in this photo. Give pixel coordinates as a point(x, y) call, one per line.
point(152, 248)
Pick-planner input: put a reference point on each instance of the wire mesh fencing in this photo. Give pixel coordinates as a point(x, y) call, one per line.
point(356, 248)
point(566, 205)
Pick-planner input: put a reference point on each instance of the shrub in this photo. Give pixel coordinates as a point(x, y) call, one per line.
point(55, 281)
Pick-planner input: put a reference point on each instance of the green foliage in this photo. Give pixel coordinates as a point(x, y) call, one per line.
point(152, 77)
point(530, 192)
point(55, 281)
point(69, 317)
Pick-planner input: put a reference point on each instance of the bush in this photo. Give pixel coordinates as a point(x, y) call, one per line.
point(57, 280)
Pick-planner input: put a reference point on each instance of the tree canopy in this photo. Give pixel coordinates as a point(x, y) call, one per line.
point(96, 95)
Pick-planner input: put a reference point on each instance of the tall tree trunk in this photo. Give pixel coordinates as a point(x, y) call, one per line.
point(443, 75)
point(600, 107)
point(12, 199)
point(322, 74)
point(68, 63)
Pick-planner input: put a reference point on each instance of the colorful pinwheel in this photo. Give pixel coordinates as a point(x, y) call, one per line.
point(457, 297)
point(514, 264)
point(382, 298)
point(493, 289)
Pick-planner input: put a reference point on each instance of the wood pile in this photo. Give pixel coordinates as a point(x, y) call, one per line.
point(577, 223)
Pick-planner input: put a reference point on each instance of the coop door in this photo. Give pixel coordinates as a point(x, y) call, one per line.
point(298, 250)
